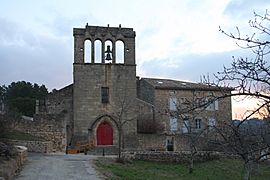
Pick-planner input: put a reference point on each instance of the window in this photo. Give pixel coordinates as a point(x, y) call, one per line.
point(173, 124)
point(211, 123)
point(198, 123)
point(200, 103)
point(170, 143)
point(119, 46)
point(173, 104)
point(185, 125)
point(104, 94)
point(98, 51)
point(213, 105)
point(87, 51)
point(216, 104)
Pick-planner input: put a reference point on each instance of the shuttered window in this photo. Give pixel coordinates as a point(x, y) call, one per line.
point(104, 94)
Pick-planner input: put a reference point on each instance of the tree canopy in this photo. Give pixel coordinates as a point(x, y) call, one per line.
point(20, 96)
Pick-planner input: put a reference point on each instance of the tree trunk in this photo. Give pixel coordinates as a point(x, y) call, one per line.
point(119, 144)
point(191, 164)
point(247, 170)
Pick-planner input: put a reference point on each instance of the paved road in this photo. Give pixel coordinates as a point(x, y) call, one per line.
point(58, 167)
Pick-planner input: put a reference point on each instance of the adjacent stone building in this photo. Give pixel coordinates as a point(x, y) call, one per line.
point(107, 103)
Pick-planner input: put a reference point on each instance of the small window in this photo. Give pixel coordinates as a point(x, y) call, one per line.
point(185, 125)
point(211, 123)
point(173, 104)
point(170, 143)
point(213, 105)
point(104, 94)
point(198, 123)
point(216, 104)
point(173, 124)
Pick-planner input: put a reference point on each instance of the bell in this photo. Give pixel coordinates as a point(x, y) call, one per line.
point(108, 57)
point(108, 49)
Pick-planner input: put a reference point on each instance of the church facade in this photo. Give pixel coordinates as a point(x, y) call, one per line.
point(107, 103)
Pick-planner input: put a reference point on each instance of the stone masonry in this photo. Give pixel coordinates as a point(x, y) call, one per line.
point(90, 78)
point(107, 98)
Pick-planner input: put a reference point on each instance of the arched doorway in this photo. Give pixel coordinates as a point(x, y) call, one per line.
point(104, 134)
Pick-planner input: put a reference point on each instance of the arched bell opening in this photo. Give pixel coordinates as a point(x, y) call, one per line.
point(98, 51)
point(119, 46)
point(87, 51)
point(108, 52)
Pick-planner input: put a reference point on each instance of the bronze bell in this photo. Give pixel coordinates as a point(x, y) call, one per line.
point(108, 55)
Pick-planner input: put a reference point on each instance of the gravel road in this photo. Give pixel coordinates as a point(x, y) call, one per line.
point(57, 167)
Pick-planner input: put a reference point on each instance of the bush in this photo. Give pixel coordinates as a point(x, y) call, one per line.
point(7, 151)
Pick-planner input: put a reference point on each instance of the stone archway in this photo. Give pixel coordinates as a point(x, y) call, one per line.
point(104, 134)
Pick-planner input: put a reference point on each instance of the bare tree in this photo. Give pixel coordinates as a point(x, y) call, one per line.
point(123, 110)
point(250, 77)
point(120, 114)
point(186, 111)
point(250, 142)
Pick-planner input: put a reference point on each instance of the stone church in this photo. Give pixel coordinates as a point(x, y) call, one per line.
point(108, 103)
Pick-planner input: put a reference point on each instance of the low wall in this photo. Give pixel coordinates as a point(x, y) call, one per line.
point(182, 156)
point(151, 141)
point(33, 146)
point(50, 127)
point(22, 155)
point(9, 167)
point(158, 142)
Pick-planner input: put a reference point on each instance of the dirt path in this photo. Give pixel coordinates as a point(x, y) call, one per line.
point(58, 167)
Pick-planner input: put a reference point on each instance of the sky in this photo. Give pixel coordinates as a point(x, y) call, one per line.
point(177, 39)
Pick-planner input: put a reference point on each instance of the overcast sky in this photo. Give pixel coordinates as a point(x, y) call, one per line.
point(176, 39)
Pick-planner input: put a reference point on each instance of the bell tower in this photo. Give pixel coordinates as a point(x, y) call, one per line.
point(102, 83)
point(103, 34)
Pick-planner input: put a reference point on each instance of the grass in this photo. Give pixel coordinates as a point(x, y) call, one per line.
point(211, 170)
point(17, 135)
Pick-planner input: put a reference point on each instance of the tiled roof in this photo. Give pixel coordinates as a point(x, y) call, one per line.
point(175, 85)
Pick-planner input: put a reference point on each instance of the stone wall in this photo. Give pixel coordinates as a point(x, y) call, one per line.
point(145, 117)
point(48, 127)
point(9, 167)
point(221, 115)
point(33, 146)
point(145, 91)
point(152, 142)
point(89, 79)
point(113, 34)
point(159, 142)
point(60, 102)
point(182, 157)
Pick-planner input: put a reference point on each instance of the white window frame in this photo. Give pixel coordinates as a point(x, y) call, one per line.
point(212, 122)
point(213, 106)
point(173, 124)
point(198, 123)
point(185, 126)
point(172, 103)
point(216, 104)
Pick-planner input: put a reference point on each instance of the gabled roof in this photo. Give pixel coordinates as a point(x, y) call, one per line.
point(170, 84)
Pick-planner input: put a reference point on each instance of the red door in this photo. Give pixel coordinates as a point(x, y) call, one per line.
point(104, 134)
